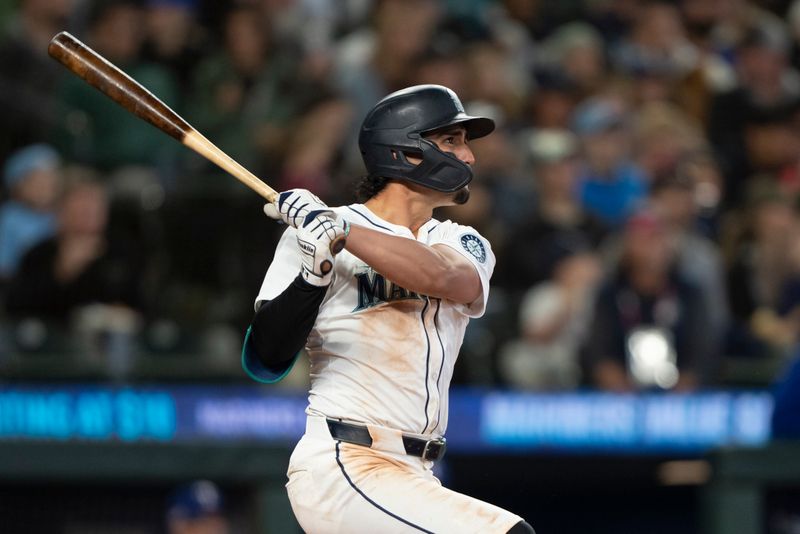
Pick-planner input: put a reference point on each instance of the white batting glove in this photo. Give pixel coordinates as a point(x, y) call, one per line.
point(314, 238)
point(293, 206)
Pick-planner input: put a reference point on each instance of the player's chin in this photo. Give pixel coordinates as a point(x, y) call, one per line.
point(461, 196)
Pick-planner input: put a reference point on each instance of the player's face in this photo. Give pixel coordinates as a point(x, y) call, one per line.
point(454, 140)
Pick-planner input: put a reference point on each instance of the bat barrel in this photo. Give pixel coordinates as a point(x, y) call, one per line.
point(115, 84)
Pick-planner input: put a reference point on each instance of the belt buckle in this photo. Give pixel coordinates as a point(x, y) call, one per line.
point(435, 447)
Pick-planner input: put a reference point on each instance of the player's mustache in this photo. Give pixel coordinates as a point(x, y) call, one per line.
point(461, 196)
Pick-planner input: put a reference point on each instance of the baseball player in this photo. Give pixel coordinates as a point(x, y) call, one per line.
point(382, 323)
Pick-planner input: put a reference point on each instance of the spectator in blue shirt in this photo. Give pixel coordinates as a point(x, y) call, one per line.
point(611, 185)
point(32, 180)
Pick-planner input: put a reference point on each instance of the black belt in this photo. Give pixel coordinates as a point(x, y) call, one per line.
point(432, 449)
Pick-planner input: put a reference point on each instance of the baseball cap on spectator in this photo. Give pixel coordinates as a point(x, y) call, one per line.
point(551, 144)
point(597, 115)
point(197, 499)
point(39, 157)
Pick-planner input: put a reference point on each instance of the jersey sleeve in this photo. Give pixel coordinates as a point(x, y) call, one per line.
point(475, 248)
point(285, 266)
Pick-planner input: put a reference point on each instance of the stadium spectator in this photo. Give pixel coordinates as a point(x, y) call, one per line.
point(578, 51)
point(656, 54)
point(552, 101)
point(556, 211)
point(172, 38)
point(713, 72)
point(554, 319)
point(611, 185)
point(748, 125)
point(698, 259)
point(32, 178)
point(764, 266)
point(495, 78)
point(29, 102)
point(197, 508)
point(662, 136)
point(442, 64)
point(702, 171)
point(313, 147)
point(241, 98)
point(650, 325)
point(373, 61)
point(539, 18)
point(94, 130)
point(78, 266)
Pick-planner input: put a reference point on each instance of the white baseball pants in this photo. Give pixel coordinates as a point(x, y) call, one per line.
point(337, 487)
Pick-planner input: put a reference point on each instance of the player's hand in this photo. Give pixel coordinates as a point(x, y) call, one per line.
point(293, 206)
point(315, 236)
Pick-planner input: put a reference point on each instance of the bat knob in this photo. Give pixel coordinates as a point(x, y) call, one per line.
point(337, 245)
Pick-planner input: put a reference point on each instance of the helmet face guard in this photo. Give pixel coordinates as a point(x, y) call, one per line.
point(396, 126)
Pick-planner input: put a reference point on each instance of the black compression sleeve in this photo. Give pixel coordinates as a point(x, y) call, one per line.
point(281, 325)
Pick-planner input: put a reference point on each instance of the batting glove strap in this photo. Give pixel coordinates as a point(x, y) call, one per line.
point(294, 205)
point(314, 239)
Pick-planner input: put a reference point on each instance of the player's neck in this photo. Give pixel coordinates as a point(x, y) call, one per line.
point(402, 205)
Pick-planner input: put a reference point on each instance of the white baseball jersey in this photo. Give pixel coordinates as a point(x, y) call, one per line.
point(382, 356)
point(379, 353)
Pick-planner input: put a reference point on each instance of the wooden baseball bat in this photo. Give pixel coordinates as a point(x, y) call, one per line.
point(128, 93)
point(104, 76)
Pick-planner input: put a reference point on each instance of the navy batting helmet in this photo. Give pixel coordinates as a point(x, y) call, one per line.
point(396, 126)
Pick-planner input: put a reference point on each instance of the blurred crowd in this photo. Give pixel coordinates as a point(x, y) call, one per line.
point(641, 191)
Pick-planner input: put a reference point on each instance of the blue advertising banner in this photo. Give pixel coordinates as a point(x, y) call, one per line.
point(480, 421)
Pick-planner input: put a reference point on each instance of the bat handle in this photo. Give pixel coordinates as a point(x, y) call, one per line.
point(197, 142)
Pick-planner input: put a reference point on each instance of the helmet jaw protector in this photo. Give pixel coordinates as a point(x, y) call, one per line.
point(440, 170)
point(396, 126)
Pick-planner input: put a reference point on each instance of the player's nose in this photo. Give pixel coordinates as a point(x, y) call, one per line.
point(464, 153)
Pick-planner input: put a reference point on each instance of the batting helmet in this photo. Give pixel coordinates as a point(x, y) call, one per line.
point(396, 126)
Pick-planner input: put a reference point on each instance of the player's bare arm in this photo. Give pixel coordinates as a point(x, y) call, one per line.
point(436, 271)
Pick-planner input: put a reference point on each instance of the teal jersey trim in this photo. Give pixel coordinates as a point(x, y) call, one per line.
point(257, 370)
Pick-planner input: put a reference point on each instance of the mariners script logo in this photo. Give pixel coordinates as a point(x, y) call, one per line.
point(473, 245)
point(374, 289)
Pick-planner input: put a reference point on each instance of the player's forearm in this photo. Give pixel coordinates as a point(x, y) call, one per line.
point(281, 326)
point(415, 266)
